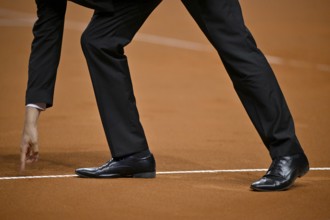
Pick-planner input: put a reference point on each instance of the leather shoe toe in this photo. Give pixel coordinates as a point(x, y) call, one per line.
point(282, 173)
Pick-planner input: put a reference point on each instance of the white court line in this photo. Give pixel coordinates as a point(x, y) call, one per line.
point(21, 19)
point(160, 173)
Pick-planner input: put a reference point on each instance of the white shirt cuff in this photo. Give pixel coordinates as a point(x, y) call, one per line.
point(40, 106)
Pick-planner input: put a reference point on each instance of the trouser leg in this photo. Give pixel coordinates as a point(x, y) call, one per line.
point(103, 44)
point(252, 77)
point(46, 51)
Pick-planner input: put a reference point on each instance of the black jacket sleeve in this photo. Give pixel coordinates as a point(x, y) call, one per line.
point(99, 5)
point(46, 51)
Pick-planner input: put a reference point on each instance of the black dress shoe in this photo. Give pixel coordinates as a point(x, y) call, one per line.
point(131, 166)
point(282, 173)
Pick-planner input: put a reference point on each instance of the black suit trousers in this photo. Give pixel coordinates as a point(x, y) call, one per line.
point(221, 21)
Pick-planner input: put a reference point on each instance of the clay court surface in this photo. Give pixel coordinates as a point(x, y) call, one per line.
point(191, 114)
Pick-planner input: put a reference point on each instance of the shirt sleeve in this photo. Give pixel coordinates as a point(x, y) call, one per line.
point(40, 106)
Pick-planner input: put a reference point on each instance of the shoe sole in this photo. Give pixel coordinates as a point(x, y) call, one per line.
point(145, 175)
point(136, 175)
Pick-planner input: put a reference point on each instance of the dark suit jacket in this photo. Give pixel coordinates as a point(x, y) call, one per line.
point(46, 46)
point(99, 5)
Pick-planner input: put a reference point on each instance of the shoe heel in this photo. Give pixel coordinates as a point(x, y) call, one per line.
point(303, 173)
point(145, 175)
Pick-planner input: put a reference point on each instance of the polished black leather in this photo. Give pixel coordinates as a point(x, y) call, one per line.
point(131, 166)
point(282, 173)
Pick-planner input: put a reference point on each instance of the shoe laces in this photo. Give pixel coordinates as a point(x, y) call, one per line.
point(274, 169)
point(106, 164)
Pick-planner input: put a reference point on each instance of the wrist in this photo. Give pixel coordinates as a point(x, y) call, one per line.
point(31, 123)
point(31, 116)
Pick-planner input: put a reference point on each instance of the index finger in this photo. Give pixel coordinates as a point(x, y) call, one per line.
point(24, 150)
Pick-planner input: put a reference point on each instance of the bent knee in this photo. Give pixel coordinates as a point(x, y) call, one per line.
point(110, 45)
